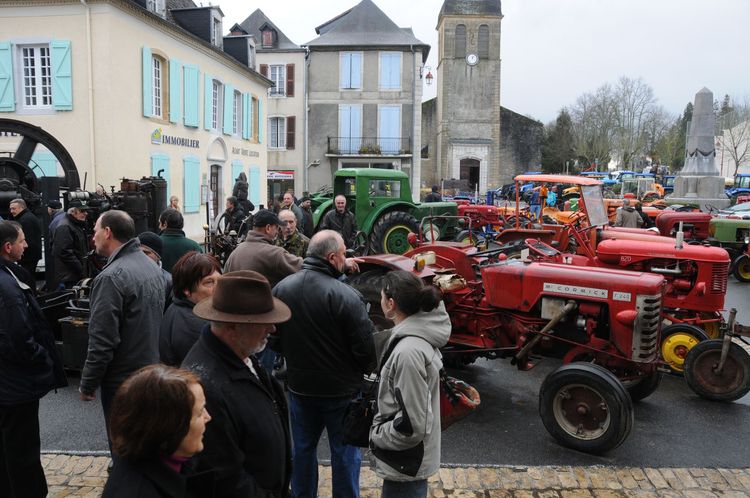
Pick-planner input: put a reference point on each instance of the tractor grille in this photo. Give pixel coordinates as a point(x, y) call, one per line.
point(646, 328)
point(719, 275)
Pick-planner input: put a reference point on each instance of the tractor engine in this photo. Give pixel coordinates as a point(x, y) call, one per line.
point(696, 275)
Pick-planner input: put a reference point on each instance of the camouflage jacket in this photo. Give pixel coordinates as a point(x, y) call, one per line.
point(296, 244)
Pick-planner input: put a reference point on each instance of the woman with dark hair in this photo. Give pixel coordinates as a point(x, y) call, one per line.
point(405, 437)
point(193, 278)
point(156, 424)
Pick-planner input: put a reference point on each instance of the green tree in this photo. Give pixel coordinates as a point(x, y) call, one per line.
point(558, 146)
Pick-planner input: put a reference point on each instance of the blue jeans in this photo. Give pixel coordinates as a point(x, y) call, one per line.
point(309, 416)
point(404, 489)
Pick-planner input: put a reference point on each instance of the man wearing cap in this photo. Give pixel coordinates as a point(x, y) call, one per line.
point(259, 253)
point(127, 303)
point(329, 346)
point(247, 444)
point(289, 237)
point(151, 246)
point(70, 246)
point(306, 227)
point(56, 214)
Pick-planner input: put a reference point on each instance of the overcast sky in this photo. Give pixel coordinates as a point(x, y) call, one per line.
point(555, 50)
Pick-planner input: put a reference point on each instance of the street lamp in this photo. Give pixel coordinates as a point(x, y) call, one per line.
point(428, 77)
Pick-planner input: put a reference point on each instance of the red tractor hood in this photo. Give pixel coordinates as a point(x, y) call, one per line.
point(626, 252)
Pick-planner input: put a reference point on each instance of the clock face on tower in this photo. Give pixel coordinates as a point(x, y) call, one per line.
point(472, 59)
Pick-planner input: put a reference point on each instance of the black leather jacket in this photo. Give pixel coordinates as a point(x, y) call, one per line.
point(328, 343)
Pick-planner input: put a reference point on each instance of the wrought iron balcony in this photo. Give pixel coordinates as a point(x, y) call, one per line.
point(369, 146)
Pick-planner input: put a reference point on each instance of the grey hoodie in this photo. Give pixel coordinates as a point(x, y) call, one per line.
point(405, 437)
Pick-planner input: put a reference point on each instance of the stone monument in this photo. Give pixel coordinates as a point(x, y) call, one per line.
point(700, 183)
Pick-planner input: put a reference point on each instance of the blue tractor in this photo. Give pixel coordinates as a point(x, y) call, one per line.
point(741, 187)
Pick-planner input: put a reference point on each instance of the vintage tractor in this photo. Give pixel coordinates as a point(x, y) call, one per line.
point(381, 201)
point(741, 265)
point(603, 323)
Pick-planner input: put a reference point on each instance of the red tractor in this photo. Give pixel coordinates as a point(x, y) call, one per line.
point(603, 323)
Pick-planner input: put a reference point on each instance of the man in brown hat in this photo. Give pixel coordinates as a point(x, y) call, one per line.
point(247, 443)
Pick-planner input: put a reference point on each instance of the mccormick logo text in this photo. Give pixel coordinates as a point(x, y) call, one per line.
point(575, 290)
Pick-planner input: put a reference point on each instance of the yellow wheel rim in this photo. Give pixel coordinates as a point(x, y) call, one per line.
point(713, 329)
point(675, 348)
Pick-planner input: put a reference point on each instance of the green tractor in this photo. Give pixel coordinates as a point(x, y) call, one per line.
point(381, 202)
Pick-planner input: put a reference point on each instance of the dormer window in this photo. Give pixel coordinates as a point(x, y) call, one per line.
point(157, 7)
point(268, 38)
point(216, 31)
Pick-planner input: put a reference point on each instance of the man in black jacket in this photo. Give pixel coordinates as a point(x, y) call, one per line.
point(340, 220)
point(247, 442)
point(70, 246)
point(328, 345)
point(30, 367)
point(234, 215)
point(32, 229)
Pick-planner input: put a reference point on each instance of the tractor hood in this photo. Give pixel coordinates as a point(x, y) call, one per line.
point(628, 252)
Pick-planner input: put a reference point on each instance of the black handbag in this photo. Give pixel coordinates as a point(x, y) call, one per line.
point(362, 408)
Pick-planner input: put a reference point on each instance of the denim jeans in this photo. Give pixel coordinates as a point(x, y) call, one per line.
point(404, 489)
point(309, 416)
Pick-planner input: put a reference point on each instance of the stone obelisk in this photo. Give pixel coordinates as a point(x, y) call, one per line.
point(700, 183)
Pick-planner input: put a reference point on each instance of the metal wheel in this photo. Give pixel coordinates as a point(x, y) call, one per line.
point(741, 268)
point(732, 383)
point(677, 341)
point(585, 407)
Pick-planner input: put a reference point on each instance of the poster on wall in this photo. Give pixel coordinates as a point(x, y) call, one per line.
point(280, 175)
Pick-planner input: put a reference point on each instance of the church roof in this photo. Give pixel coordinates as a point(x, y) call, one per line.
point(470, 8)
point(365, 25)
point(257, 21)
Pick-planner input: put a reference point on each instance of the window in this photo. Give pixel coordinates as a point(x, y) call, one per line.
point(390, 70)
point(484, 42)
point(157, 7)
point(350, 69)
point(217, 32)
point(217, 100)
point(385, 188)
point(277, 132)
point(158, 87)
point(350, 129)
point(278, 76)
point(237, 123)
point(389, 129)
point(37, 77)
point(267, 36)
point(459, 47)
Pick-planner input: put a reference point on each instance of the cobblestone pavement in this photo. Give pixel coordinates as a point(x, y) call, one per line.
point(84, 476)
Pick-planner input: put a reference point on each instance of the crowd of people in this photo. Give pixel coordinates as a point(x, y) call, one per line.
point(178, 358)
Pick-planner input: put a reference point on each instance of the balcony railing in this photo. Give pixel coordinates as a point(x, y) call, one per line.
point(377, 146)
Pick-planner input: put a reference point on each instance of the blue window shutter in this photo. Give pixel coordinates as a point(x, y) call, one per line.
point(236, 170)
point(250, 117)
point(390, 71)
point(245, 116)
point(147, 84)
point(356, 71)
point(160, 161)
point(208, 92)
point(254, 185)
point(345, 129)
point(192, 96)
point(346, 70)
point(7, 95)
point(175, 91)
point(47, 163)
point(356, 127)
point(260, 122)
point(389, 129)
point(192, 184)
point(228, 109)
point(62, 76)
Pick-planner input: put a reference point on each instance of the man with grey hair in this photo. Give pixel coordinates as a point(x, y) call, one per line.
point(328, 345)
point(627, 216)
point(32, 228)
point(127, 302)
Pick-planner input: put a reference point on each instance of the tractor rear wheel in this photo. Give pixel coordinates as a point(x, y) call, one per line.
point(477, 237)
point(741, 268)
point(389, 235)
point(700, 371)
point(369, 284)
point(677, 341)
point(585, 407)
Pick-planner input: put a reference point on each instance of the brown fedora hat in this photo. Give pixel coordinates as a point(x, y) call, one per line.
point(242, 297)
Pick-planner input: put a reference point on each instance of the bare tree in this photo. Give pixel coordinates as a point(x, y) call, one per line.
point(735, 131)
point(594, 124)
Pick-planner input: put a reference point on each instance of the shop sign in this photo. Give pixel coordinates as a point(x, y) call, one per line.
point(158, 137)
point(280, 175)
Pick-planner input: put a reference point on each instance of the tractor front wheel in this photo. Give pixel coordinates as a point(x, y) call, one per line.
point(732, 383)
point(741, 268)
point(644, 387)
point(677, 341)
point(585, 407)
point(389, 235)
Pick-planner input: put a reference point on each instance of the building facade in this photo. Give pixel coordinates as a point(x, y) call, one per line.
point(470, 140)
point(138, 88)
point(364, 96)
point(283, 62)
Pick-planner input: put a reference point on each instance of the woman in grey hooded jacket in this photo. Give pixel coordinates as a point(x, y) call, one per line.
point(405, 437)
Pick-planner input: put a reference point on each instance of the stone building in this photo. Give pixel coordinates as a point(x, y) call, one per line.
point(283, 61)
point(364, 96)
point(133, 88)
point(468, 136)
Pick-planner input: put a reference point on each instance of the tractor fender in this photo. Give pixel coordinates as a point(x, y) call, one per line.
point(391, 262)
point(321, 211)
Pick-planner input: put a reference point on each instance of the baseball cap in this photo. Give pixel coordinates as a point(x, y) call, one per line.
point(152, 241)
point(54, 204)
point(75, 203)
point(265, 217)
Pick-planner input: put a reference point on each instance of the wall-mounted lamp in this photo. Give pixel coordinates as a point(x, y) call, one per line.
point(428, 77)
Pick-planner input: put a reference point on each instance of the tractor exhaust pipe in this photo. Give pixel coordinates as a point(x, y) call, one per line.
point(569, 306)
point(679, 238)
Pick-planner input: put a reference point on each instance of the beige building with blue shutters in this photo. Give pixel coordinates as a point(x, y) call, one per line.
point(134, 88)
